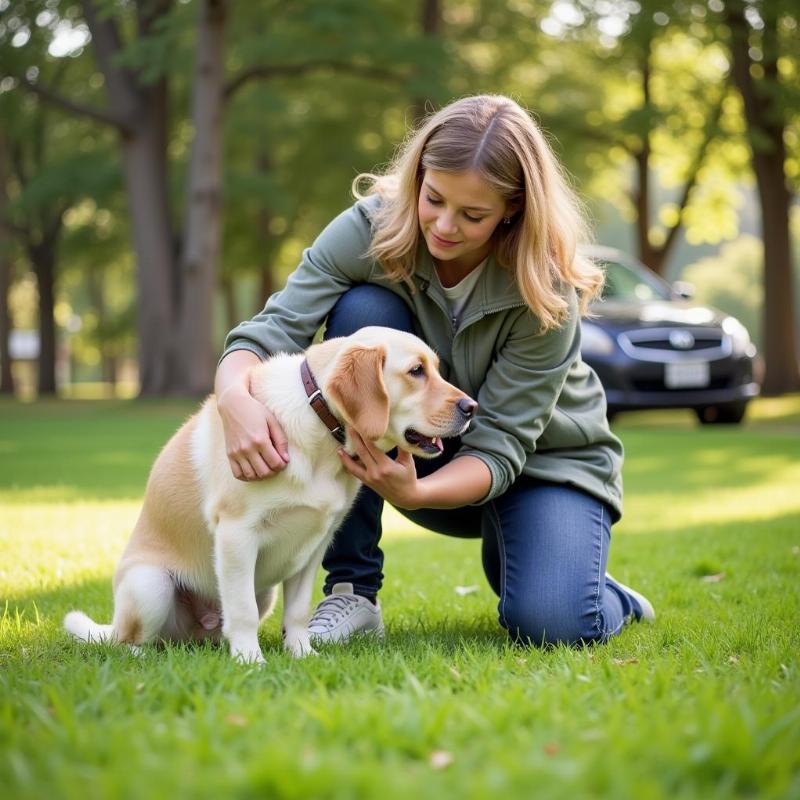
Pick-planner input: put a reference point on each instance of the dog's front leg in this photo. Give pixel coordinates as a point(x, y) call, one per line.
point(236, 553)
point(297, 605)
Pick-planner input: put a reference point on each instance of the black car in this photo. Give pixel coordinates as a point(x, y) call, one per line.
point(653, 348)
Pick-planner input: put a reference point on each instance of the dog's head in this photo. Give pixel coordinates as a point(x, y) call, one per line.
point(386, 384)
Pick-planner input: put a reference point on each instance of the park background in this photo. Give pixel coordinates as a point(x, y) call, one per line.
point(162, 166)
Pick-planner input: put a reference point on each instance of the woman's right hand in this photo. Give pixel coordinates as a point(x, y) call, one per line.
point(255, 443)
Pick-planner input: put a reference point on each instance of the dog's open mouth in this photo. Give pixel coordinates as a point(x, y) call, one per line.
point(427, 444)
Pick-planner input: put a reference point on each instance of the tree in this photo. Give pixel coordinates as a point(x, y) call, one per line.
point(135, 46)
point(6, 226)
point(638, 98)
point(758, 33)
point(46, 172)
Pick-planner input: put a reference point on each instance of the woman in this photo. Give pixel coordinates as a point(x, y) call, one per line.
point(469, 241)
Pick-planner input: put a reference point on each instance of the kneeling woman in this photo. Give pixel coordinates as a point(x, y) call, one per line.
point(469, 241)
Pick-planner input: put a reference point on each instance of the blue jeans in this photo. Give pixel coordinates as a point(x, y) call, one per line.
point(545, 545)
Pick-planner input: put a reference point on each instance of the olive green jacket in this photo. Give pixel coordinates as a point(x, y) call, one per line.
point(541, 409)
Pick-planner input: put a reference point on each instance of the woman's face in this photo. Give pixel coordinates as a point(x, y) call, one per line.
point(458, 212)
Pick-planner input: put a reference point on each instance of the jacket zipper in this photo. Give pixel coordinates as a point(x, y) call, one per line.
point(455, 327)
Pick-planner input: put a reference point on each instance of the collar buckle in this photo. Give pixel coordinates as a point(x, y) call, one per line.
point(319, 405)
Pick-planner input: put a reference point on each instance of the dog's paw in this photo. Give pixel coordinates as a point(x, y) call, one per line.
point(247, 653)
point(299, 646)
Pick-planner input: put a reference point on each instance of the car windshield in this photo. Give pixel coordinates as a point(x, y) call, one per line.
point(624, 282)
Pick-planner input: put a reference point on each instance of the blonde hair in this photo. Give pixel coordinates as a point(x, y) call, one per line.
point(494, 136)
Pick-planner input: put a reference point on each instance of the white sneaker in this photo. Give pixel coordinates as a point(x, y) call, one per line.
point(343, 614)
point(648, 612)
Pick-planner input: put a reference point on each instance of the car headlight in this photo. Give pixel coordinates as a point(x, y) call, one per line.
point(740, 338)
point(594, 340)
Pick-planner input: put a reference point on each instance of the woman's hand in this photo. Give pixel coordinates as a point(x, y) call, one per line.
point(395, 481)
point(254, 440)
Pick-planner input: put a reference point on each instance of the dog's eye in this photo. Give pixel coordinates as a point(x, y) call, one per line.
point(417, 371)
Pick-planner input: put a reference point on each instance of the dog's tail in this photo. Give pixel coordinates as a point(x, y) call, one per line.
point(86, 629)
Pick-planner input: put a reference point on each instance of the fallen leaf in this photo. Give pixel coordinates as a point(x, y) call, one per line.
point(464, 590)
point(139, 687)
point(719, 576)
point(440, 759)
point(733, 659)
point(621, 662)
point(236, 719)
point(551, 749)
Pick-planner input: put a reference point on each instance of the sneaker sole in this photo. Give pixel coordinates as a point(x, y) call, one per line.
point(376, 633)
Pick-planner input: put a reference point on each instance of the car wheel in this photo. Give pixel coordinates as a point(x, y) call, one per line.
point(722, 414)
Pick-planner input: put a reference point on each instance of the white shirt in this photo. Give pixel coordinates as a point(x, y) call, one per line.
point(458, 295)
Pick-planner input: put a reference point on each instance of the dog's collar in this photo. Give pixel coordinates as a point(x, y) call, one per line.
point(317, 402)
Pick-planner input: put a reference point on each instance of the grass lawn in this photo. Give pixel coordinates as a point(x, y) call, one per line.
point(704, 703)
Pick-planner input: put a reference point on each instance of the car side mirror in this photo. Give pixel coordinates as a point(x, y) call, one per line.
point(682, 290)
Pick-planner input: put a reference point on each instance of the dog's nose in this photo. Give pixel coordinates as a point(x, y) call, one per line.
point(467, 406)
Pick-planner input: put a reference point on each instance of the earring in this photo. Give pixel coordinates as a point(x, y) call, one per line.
point(506, 220)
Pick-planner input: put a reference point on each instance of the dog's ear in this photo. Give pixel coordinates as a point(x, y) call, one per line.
point(356, 386)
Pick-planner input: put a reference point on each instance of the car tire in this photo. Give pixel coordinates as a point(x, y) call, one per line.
point(722, 414)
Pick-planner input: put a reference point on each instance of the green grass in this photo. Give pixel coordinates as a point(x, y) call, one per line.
point(705, 703)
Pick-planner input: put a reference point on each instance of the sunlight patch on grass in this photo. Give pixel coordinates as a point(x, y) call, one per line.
point(47, 546)
point(772, 498)
point(786, 408)
point(396, 526)
point(53, 494)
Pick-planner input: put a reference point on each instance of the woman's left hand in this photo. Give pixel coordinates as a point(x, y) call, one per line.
point(395, 481)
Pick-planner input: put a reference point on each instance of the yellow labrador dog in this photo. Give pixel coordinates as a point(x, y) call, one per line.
point(208, 550)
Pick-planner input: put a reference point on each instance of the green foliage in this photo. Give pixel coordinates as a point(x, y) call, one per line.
point(608, 119)
point(732, 281)
point(294, 145)
point(296, 136)
point(702, 704)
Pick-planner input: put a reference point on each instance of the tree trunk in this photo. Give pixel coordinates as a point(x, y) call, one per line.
point(431, 26)
point(6, 374)
point(96, 291)
point(141, 112)
point(43, 259)
point(641, 194)
point(227, 286)
point(266, 285)
point(642, 203)
point(144, 160)
point(263, 222)
point(765, 126)
point(195, 355)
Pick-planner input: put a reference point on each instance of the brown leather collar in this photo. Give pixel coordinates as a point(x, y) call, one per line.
point(317, 402)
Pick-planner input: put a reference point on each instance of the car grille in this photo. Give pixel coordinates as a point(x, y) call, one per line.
point(662, 344)
point(658, 385)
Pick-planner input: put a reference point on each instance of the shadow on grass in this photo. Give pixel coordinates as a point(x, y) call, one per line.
point(36, 616)
point(686, 565)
